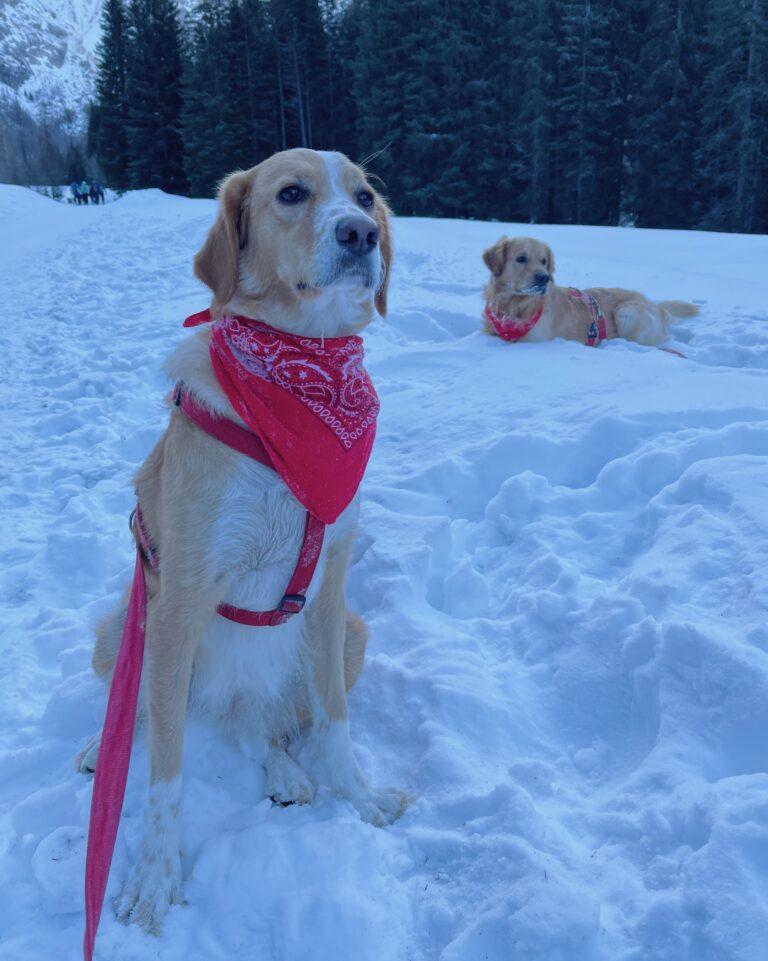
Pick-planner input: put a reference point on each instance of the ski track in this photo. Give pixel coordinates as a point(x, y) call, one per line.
point(562, 561)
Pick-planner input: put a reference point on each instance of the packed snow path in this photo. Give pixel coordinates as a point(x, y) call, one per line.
point(562, 560)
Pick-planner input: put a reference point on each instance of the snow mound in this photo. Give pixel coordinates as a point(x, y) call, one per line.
point(562, 560)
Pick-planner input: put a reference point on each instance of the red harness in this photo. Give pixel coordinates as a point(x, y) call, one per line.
point(242, 440)
point(514, 328)
point(343, 399)
point(597, 330)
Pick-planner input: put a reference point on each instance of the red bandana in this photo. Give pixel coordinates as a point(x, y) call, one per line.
point(310, 401)
point(512, 328)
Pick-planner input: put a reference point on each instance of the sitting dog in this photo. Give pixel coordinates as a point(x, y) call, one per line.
point(297, 260)
point(523, 303)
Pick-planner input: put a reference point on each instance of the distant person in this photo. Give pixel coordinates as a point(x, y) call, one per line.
point(75, 189)
point(84, 191)
point(94, 192)
point(102, 194)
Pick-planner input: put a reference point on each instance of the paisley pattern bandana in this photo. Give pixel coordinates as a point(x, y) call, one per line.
point(310, 401)
point(512, 328)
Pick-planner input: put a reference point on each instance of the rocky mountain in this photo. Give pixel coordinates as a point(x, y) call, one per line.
point(47, 59)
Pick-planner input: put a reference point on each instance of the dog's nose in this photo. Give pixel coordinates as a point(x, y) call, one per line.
point(358, 235)
point(541, 279)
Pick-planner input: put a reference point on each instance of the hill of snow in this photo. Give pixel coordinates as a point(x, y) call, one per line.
point(563, 560)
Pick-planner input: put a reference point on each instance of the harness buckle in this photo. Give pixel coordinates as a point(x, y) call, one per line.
point(299, 599)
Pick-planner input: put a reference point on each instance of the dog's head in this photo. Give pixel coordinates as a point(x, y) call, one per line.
point(521, 265)
point(303, 231)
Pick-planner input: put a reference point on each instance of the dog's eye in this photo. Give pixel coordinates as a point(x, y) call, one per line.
point(365, 198)
point(292, 195)
point(543, 260)
point(521, 259)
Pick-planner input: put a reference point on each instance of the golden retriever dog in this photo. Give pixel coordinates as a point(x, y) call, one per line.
point(523, 302)
point(228, 529)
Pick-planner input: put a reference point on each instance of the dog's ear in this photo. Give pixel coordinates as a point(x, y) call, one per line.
point(496, 257)
point(217, 261)
point(550, 262)
point(381, 215)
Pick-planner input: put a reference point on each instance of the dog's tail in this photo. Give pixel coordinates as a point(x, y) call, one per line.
point(679, 308)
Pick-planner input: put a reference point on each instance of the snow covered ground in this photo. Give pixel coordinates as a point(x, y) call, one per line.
point(562, 560)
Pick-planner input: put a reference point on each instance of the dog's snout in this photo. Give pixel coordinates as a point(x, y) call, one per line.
point(541, 279)
point(359, 235)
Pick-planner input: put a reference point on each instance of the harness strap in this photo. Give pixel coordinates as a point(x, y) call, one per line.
point(246, 442)
point(222, 428)
point(597, 331)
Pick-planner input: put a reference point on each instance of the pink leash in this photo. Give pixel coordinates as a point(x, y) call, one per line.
point(114, 757)
point(119, 722)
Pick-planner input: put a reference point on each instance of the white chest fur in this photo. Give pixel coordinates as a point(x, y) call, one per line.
point(252, 678)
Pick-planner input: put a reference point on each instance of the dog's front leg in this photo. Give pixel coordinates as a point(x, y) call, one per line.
point(328, 753)
point(154, 883)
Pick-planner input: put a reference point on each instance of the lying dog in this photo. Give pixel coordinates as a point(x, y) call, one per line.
point(523, 303)
point(301, 243)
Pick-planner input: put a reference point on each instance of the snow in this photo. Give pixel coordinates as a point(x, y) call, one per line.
point(562, 560)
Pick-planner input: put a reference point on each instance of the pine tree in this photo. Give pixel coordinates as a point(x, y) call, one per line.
point(153, 87)
point(302, 61)
point(108, 128)
point(342, 30)
point(204, 93)
point(229, 120)
point(665, 124)
point(376, 87)
point(733, 152)
point(591, 112)
point(387, 95)
point(432, 92)
point(240, 115)
point(577, 111)
point(532, 111)
point(261, 83)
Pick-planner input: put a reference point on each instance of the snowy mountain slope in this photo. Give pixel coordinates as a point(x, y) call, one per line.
point(47, 57)
point(562, 560)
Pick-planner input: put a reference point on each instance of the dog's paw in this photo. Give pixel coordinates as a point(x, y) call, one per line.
point(286, 783)
point(381, 806)
point(85, 762)
point(153, 886)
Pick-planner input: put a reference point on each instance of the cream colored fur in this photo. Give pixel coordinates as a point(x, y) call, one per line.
point(227, 528)
point(513, 289)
